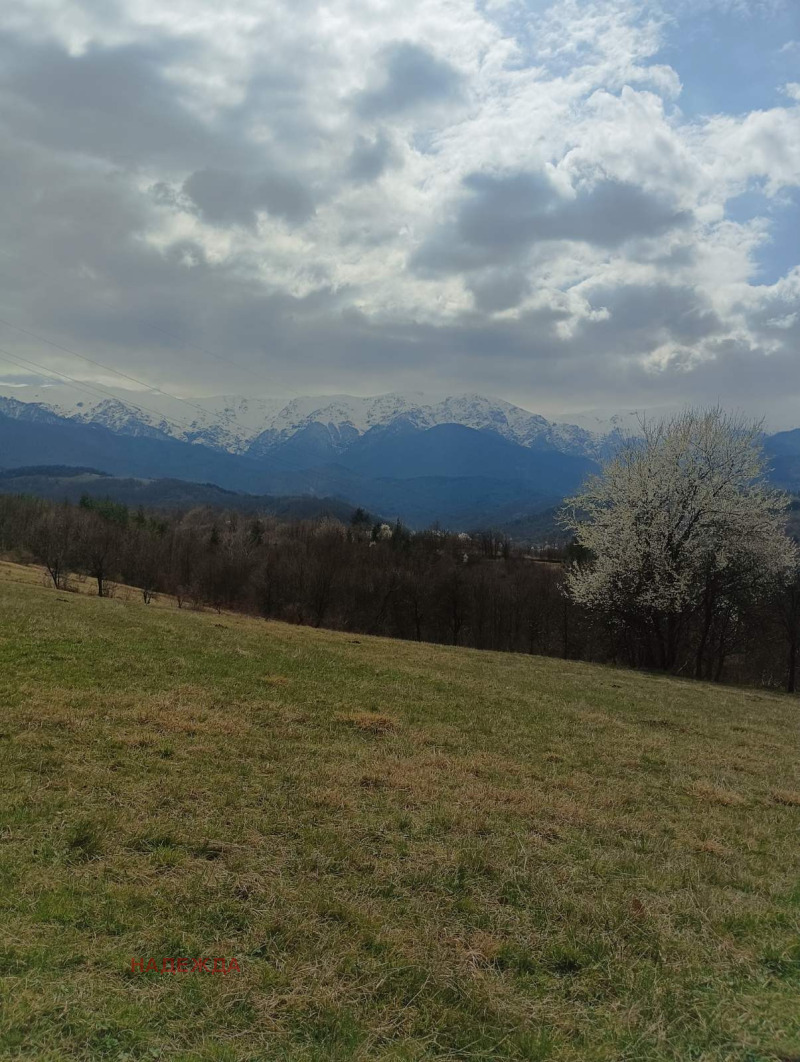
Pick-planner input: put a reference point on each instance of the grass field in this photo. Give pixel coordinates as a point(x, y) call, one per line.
point(413, 852)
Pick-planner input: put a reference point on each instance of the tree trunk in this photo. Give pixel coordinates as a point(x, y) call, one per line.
point(720, 666)
point(791, 676)
point(708, 614)
point(565, 629)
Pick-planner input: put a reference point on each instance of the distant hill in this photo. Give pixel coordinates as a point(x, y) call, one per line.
point(59, 483)
point(53, 471)
point(40, 440)
point(402, 451)
point(323, 426)
point(783, 451)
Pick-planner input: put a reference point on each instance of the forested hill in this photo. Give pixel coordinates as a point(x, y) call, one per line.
point(481, 590)
point(59, 482)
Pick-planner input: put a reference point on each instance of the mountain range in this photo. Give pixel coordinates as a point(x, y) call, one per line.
point(257, 426)
point(464, 461)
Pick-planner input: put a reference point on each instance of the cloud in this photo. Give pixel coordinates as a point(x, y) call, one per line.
point(114, 103)
point(502, 217)
point(227, 198)
point(370, 158)
point(495, 290)
point(642, 317)
point(410, 77)
point(493, 197)
point(222, 197)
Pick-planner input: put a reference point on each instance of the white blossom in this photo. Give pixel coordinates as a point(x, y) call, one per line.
point(681, 505)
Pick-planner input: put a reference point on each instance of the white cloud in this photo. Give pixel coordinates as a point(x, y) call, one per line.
point(268, 178)
point(762, 145)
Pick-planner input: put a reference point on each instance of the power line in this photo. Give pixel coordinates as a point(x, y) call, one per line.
point(90, 388)
point(101, 365)
point(245, 436)
point(179, 339)
point(95, 389)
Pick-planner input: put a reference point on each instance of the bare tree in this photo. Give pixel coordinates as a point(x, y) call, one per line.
point(52, 542)
point(98, 550)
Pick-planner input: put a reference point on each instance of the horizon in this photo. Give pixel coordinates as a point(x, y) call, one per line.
point(603, 416)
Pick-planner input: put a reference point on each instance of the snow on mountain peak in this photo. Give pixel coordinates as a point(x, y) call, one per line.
point(234, 422)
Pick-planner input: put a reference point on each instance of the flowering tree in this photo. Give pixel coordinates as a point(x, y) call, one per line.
point(682, 534)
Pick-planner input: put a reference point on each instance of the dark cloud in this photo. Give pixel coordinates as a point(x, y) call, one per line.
point(495, 290)
point(641, 317)
point(506, 212)
point(369, 159)
point(227, 198)
point(115, 103)
point(285, 197)
point(128, 105)
point(277, 95)
point(502, 217)
point(410, 77)
point(612, 212)
point(222, 197)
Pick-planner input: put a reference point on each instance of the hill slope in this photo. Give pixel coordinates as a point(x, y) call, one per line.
point(72, 483)
point(413, 852)
point(26, 442)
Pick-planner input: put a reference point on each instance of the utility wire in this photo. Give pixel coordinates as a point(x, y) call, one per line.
point(179, 339)
point(101, 365)
point(245, 436)
point(274, 459)
point(95, 389)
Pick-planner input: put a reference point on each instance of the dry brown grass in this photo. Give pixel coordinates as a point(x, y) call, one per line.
point(369, 723)
point(415, 852)
point(714, 794)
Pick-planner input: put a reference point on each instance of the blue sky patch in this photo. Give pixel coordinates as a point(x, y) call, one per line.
point(730, 62)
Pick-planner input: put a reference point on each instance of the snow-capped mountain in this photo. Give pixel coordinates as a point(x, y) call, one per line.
point(222, 423)
point(258, 426)
point(465, 461)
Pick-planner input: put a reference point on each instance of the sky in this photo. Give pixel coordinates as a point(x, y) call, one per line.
point(586, 204)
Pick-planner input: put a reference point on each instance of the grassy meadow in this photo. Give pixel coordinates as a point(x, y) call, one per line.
point(413, 851)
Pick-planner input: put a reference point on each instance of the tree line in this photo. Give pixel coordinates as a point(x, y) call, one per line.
point(679, 562)
point(468, 590)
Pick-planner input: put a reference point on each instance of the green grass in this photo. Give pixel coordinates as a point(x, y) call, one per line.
point(414, 852)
